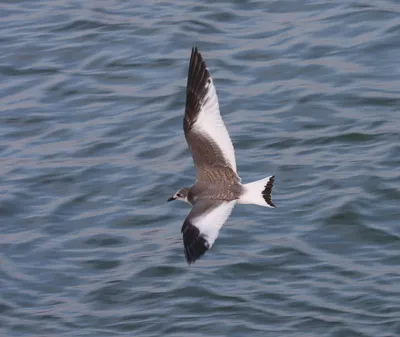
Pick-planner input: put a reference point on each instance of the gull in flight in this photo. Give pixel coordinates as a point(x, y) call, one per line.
point(218, 187)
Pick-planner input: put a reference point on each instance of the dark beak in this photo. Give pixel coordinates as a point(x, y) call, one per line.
point(171, 199)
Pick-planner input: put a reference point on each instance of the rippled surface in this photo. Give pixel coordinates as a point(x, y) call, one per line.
point(91, 146)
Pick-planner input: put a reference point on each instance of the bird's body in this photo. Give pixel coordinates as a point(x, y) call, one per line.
point(218, 187)
point(218, 191)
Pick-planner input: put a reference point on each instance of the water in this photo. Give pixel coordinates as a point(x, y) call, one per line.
point(91, 145)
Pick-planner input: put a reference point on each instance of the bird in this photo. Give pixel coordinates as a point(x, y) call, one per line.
point(218, 186)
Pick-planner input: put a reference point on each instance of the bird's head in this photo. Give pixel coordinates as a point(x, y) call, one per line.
point(181, 194)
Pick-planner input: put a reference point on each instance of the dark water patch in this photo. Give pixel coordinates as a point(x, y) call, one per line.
point(82, 25)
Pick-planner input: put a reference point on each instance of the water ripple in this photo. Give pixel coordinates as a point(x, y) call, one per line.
point(91, 146)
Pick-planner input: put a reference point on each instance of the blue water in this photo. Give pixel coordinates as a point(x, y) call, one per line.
point(91, 145)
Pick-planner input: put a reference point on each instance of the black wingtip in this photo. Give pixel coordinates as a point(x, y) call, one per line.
point(197, 87)
point(195, 54)
point(267, 193)
point(194, 242)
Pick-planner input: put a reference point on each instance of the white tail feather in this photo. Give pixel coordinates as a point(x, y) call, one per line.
point(258, 193)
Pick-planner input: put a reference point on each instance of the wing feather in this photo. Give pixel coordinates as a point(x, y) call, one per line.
point(202, 225)
point(205, 131)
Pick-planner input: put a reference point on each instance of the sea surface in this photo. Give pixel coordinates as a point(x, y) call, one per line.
point(92, 97)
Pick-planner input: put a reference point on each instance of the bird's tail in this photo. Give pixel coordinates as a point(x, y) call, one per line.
point(258, 192)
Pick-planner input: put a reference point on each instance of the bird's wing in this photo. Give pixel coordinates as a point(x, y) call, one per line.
point(202, 225)
point(205, 132)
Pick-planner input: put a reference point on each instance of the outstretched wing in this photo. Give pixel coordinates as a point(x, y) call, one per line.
point(205, 132)
point(202, 225)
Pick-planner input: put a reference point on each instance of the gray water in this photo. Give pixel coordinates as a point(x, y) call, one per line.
point(91, 145)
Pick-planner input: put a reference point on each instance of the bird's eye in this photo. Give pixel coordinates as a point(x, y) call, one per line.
point(179, 195)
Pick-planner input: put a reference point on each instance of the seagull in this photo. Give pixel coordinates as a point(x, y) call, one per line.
point(218, 187)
